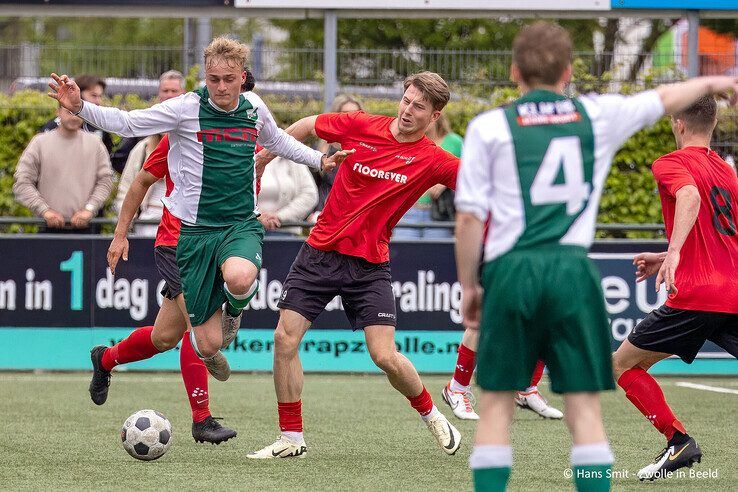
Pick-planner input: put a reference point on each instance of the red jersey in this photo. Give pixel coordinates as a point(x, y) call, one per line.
point(168, 232)
point(705, 277)
point(376, 185)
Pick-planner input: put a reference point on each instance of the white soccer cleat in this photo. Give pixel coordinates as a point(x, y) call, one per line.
point(447, 437)
point(535, 402)
point(460, 402)
point(218, 366)
point(229, 326)
point(283, 447)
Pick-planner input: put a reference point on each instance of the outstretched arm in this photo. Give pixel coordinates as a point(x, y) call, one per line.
point(136, 193)
point(681, 95)
point(160, 118)
point(282, 143)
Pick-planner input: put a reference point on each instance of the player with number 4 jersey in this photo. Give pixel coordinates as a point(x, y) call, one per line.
point(538, 168)
point(699, 193)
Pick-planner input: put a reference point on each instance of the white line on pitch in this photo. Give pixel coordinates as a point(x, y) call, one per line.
point(705, 387)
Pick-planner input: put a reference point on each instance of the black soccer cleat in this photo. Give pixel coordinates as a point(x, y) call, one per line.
point(210, 430)
point(100, 377)
point(672, 458)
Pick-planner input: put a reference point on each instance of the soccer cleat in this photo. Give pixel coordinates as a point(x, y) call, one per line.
point(100, 377)
point(670, 459)
point(283, 447)
point(229, 325)
point(218, 366)
point(447, 437)
point(460, 403)
point(210, 430)
point(534, 402)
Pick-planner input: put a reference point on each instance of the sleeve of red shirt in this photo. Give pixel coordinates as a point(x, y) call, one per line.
point(156, 163)
point(448, 170)
point(332, 127)
point(671, 174)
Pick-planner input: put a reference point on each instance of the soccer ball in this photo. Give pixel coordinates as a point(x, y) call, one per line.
point(146, 435)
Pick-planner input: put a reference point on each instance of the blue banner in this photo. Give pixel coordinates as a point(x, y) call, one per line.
point(58, 299)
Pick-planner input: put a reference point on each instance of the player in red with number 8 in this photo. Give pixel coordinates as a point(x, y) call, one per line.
point(698, 192)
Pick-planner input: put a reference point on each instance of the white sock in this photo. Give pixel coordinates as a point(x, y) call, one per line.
point(457, 387)
point(591, 454)
point(491, 456)
point(530, 389)
point(434, 411)
point(193, 342)
point(251, 290)
point(295, 437)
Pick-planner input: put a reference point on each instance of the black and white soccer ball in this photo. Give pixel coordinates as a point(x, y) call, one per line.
point(146, 435)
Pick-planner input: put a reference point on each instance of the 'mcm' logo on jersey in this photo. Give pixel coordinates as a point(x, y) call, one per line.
point(227, 135)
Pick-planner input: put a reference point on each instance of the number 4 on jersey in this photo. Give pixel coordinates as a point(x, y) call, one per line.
point(574, 191)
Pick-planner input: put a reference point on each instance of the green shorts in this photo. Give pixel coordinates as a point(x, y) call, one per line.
point(200, 253)
point(544, 303)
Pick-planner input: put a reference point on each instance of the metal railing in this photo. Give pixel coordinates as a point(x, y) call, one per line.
point(356, 66)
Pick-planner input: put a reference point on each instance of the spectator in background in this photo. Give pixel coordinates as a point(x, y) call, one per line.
point(92, 89)
point(341, 104)
point(171, 84)
point(64, 176)
point(288, 194)
point(438, 202)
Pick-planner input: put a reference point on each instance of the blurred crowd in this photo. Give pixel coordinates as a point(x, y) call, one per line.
point(70, 170)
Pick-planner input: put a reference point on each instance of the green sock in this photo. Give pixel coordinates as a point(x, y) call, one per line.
point(491, 479)
point(592, 478)
point(234, 305)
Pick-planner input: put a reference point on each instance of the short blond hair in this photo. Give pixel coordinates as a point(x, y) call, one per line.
point(432, 86)
point(230, 50)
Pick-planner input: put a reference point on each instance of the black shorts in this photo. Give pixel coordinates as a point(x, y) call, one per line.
point(683, 332)
point(165, 258)
point(318, 276)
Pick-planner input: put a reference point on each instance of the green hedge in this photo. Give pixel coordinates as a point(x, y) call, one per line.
point(630, 194)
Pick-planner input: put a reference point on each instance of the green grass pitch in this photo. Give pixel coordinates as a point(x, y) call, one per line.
point(361, 434)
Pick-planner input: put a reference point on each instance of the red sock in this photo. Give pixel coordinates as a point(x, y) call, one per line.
point(195, 377)
point(290, 416)
point(645, 393)
point(537, 373)
point(138, 346)
point(465, 364)
point(423, 403)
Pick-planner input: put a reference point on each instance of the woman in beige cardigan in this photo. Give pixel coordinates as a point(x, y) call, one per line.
point(288, 194)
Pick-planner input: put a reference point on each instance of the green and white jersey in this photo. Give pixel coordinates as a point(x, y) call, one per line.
point(536, 168)
point(211, 152)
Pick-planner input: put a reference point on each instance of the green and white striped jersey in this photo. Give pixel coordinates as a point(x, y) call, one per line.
point(536, 168)
point(211, 153)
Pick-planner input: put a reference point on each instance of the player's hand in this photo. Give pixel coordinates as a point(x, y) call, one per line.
point(118, 249)
point(330, 163)
point(647, 264)
point(270, 221)
point(81, 218)
point(53, 219)
point(726, 87)
point(261, 159)
point(667, 272)
point(471, 306)
point(66, 91)
point(436, 191)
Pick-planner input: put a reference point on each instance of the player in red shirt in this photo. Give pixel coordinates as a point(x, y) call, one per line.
point(698, 194)
point(347, 253)
point(170, 325)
